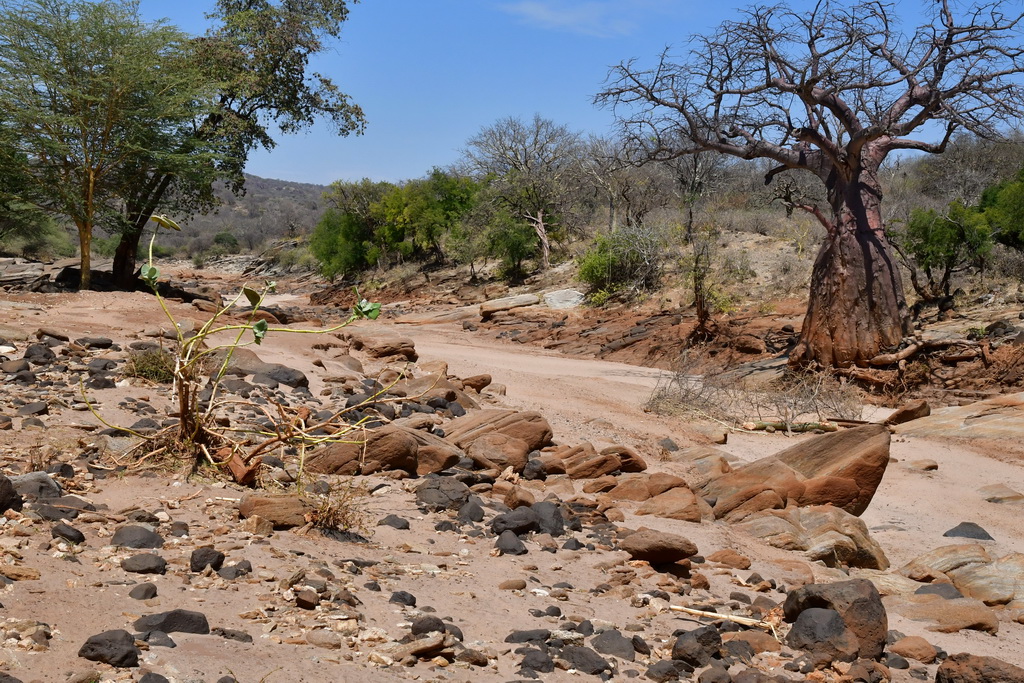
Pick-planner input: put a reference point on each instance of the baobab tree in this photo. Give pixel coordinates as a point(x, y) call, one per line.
point(832, 91)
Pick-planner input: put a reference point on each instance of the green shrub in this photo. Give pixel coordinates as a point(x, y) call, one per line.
point(630, 258)
point(227, 241)
point(155, 365)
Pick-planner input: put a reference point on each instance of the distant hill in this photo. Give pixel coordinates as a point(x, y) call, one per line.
point(268, 210)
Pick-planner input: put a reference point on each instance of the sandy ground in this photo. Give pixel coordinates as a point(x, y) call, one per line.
point(583, 400)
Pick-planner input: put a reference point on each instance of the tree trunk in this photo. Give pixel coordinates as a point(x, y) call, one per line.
point(85, 247)
point(542, 235)
point(857, 308)
point(124, 259)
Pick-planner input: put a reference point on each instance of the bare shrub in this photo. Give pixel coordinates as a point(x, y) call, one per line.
point(730, 398)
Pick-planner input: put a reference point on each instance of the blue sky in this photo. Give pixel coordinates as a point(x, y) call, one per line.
point(430, 74)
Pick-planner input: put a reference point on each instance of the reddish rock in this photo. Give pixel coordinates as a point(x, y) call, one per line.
point(659, 482)
point(838, 491)
point(743, 503)
point(381, 344)
point(657, 547)
point(282, 511)
point(967, 668)
point(912, 411)
point(587, 466)
point(916, 648)
point(730, 558)
point(678, 503)
point(499, 451)
point(860, 454)
point(530, 426)
point(631, 488)
point(387, 448)
point(477, 382)
point(630, 460)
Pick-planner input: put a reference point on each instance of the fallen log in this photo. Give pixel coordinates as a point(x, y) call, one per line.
point(790, 427)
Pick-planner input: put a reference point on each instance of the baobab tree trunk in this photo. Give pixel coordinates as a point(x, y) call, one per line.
point(857, 307)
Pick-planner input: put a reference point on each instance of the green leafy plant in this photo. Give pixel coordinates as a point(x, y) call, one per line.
point(194, 354)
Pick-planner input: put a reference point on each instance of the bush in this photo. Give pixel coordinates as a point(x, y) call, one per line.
point(155, 365)
point(341, 244)
point(227, 241)
point(630, 258)
point(46, 243)
point(512, 242)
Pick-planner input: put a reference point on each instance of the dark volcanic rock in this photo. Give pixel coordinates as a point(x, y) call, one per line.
point(519, 521)
point(857, 601)
point(509, 544)
point(143, 591)
point(36, 485)
point(202, 558)
point(136, 537)
point(403, 598)
point(442, 493)
point(67, 533)
point(612, 642)
point(116, 648)
point(174, 621)
point(395, 522)
point(585, 660)
point(144, 563)
point(824, 635)
point(969, 530)
point(697, 647)
point(10, 499)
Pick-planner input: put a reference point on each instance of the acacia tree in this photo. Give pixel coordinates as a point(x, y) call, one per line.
point(88, 91)
point(833, 91)
point(534, 169)
point(259, 53)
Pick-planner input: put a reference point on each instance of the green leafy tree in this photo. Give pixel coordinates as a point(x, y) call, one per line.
point(533, 169)
point(1003, 207)
point(341, 243)
point(942, 244)
point(259, 53)
point(419, 213)
point(89, 91)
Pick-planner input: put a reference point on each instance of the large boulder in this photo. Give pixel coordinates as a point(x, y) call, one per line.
point(857, 602)
point(244, 362)
point(967, 668)
point(489, 308)
point(530, 426)
point(948, 615)
point(676, 503)
point(657, 547)
point(860, 455)
point(433, 454)
point(383, 449)
point(381, 344)
point(749, 480)
point(497, 451)
point(824, 635)
point(823, 533)
point(938, 563)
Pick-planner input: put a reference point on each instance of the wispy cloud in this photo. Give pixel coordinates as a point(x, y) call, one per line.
point(600, 18)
